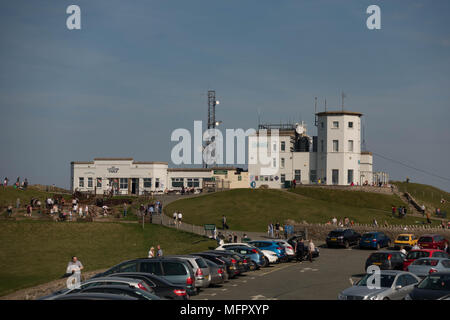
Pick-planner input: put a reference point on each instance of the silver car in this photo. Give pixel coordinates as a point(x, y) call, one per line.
point(201, 270)
point(103, 281)
point(394, 285)
point(424, 266)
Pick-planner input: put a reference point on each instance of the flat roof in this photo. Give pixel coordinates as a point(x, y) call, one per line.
point(201, 169)
point(339, 113)
point(119, 159)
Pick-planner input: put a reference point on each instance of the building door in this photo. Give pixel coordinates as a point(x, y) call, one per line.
point(335, 176)
point(134, 185)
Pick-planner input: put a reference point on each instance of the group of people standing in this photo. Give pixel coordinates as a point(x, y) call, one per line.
point(400, 211)
point(177, 217)
point(153, 254)
point(346, 222)
point(18, 185)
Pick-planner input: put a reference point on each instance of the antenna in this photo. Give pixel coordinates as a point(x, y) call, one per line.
point(316, 120)
point(343, 97)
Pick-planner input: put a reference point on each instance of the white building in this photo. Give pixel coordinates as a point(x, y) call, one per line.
point(128, 177)
point(334, 156)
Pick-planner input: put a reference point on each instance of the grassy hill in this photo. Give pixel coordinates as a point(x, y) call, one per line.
point(426, 194)
point(253, 209)
point(9, 195)
point(36, 252)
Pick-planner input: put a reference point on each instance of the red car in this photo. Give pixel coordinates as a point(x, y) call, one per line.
point(432, 241)
point(422, 253)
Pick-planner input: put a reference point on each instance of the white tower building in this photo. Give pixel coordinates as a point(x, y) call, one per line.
point(339, 147)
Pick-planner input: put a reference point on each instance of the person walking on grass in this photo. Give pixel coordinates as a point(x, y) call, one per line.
point(10, 211)
point(224, 222)
point(151, 253)
point(175, 217)
point(74, 268)
point(180, 216)
point(159, 253)
point(5, 182)
point(125, 209)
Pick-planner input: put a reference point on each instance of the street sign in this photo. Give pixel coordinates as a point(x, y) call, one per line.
point(210, 227)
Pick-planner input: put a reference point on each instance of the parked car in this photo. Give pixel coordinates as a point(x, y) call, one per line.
point(122, 290)
point(201, 270)
point(394, 285)
point(217, 273)
point(434, 286)
point(240, 262)
point(161, 287)
point(271, 246)
point(423, 253)
point(100, 281)
point(94, 296)
point(386, 260)
point(174, 270)
point(405, 240)
point(230, 268)
point(270, 255)
point(343, 238)
point(256, 257)
point(374, 240)
point(424, 266)
point(432, 241)
point(288, 248)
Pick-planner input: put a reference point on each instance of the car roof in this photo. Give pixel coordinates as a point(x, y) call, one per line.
point(391, 251)
point(109, 279)
point(99, 295)
point(405, 234)
point(434, 258)
point(426, 250)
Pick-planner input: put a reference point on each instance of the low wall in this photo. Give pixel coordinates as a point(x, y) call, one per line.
point(384, 190)
point(320, 231)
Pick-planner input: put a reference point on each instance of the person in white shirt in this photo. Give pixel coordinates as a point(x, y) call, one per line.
point(180, 216)
point(86, 211)
point(80, 212)
point(175, 216)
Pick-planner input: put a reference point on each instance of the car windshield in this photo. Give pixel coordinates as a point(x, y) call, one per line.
point(426, 239)
point(417, 254)
point(201, 263)
point(426, 262)
point(436, 282)
point(378, 256)
point(403, 238)
point(385, 280)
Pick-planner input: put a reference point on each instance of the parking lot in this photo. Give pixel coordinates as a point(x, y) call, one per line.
point(323, 279)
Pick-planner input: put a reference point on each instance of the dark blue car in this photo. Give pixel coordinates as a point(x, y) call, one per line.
point(374, 240)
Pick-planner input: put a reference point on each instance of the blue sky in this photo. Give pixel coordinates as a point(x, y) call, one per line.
point(139, 69)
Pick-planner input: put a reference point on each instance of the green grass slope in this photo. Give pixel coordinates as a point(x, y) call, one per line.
point(9, 195)
point(253, 209)
point(426, 194)
point(36, 252)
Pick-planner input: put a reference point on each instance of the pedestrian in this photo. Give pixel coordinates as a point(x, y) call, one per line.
point(74, 268)
point(125, 209)
point(224, 223)
point(385, 224)
point(25, 184)
point(271, 229)
point(86, 211)
point(423, 210)
point(80, 212)
point(334, 221)
point(404, 211)
point(180, 216)
point(393, 211)
point(299, 250)
point(10, 209)
point(277, 230)
point(159, 253)
point(5, 182)
point(294, 183)
point(151, 253)
point(18, 203)
point(175, 217)
point(400, 212)
point(311, 249)
point(29, 210)
point(428, 218)
point(235, 237)
point(230, 238)
point(375, 223)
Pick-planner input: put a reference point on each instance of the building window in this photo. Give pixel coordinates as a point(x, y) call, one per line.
point(282, 163)
point(283, 146)
point(239, 178)
point(335, 176)
point(350, 145)
point(147, 182)
point(350, 124)
point(177, 182)
point(350, 176)
point(321, 146)
point(157, 183)
point(90, 182)
point(313, 176)
point(81, 182)
point(123, 183)
point(335, 145)
point(335, 124)
point(99, 182)
point(193, 182)
point(298, 175)
point(321, 124)
point(283, 178)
